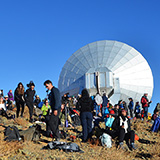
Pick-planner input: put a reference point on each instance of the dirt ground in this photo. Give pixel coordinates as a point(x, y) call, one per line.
point(30, 150)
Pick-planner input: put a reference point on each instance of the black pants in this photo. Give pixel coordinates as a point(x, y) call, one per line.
point(53, 124)
point(126, 136)
point(30, 107)
point(112, 133)
point(48, 129)
point(131, 113)
point(19, 105)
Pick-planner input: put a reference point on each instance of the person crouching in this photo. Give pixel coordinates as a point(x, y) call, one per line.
point(123, 128)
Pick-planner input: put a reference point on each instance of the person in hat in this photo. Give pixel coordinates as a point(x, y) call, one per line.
point(29, 97)
point(121, 125)
point(8, 103)
point(37, 101)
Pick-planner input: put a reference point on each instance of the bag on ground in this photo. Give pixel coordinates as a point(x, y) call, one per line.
point(32, 133)
point(106, 140)
point(12, 133)
point(67, 147)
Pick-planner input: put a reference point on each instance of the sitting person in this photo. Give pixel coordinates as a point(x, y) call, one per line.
point(10, 96)
point(109, 120)
point(45, 108)
point(2, 107)
point(8, 103)
point(46, 112)
point(137, 110)
point(155, 115)
point(116, 110)
point(37, 101)
point(122, 127)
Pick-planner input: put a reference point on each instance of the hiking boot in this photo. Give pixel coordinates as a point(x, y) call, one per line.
point(121, 146)
point(132, 146)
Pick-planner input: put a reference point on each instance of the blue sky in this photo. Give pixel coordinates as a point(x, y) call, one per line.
point(37, 37)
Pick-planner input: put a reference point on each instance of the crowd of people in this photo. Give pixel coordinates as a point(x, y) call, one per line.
point(86, 110)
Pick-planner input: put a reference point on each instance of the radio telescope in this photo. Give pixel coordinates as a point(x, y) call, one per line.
point(107, 66)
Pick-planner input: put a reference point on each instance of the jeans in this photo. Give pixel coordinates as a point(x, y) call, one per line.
point(86, 121)
point(104, 111)
point(145, 112)
point(98, 110)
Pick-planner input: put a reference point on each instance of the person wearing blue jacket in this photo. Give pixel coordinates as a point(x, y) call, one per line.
point(109, 120)
point(104, 104)
point(137, 110)
point(130, 106)
point(55, 103)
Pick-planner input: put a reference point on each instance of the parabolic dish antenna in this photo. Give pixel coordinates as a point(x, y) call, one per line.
point(107, 66)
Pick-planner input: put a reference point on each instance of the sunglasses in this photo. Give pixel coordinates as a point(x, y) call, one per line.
point(46, 86)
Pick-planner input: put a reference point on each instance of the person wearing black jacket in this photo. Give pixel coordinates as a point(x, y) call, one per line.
point(121, 125)
point(19, 99)
point(55, 103)
point(85, 105)
point(29, 97)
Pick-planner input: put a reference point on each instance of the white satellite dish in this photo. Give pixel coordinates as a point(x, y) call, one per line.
point(107, 66)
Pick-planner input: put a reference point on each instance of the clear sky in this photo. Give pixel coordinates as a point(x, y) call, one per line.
point(37, 36)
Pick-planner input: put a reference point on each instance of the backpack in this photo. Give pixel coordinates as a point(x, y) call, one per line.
point(32, 133)
point(156, 125)
point(76, 120)
point(67, 147)
point(12, 133)
point(106, 140)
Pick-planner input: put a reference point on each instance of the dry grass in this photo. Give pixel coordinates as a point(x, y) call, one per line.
point(92, 150)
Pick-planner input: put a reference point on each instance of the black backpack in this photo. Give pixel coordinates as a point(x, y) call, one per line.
point(12, 133)
point(76, 120)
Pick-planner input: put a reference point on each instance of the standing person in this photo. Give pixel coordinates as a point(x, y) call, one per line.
point(104, 104)
point(85, 105)
point(130, 106)
point(55, 103)
point(99, 101)
point(137, 110)
point(19, 99)
point(29, 97)
point(145, 104)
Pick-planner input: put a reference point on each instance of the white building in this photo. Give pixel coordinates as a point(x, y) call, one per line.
point(107, 66)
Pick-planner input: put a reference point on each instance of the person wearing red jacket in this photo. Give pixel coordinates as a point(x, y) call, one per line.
point(145, 104)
